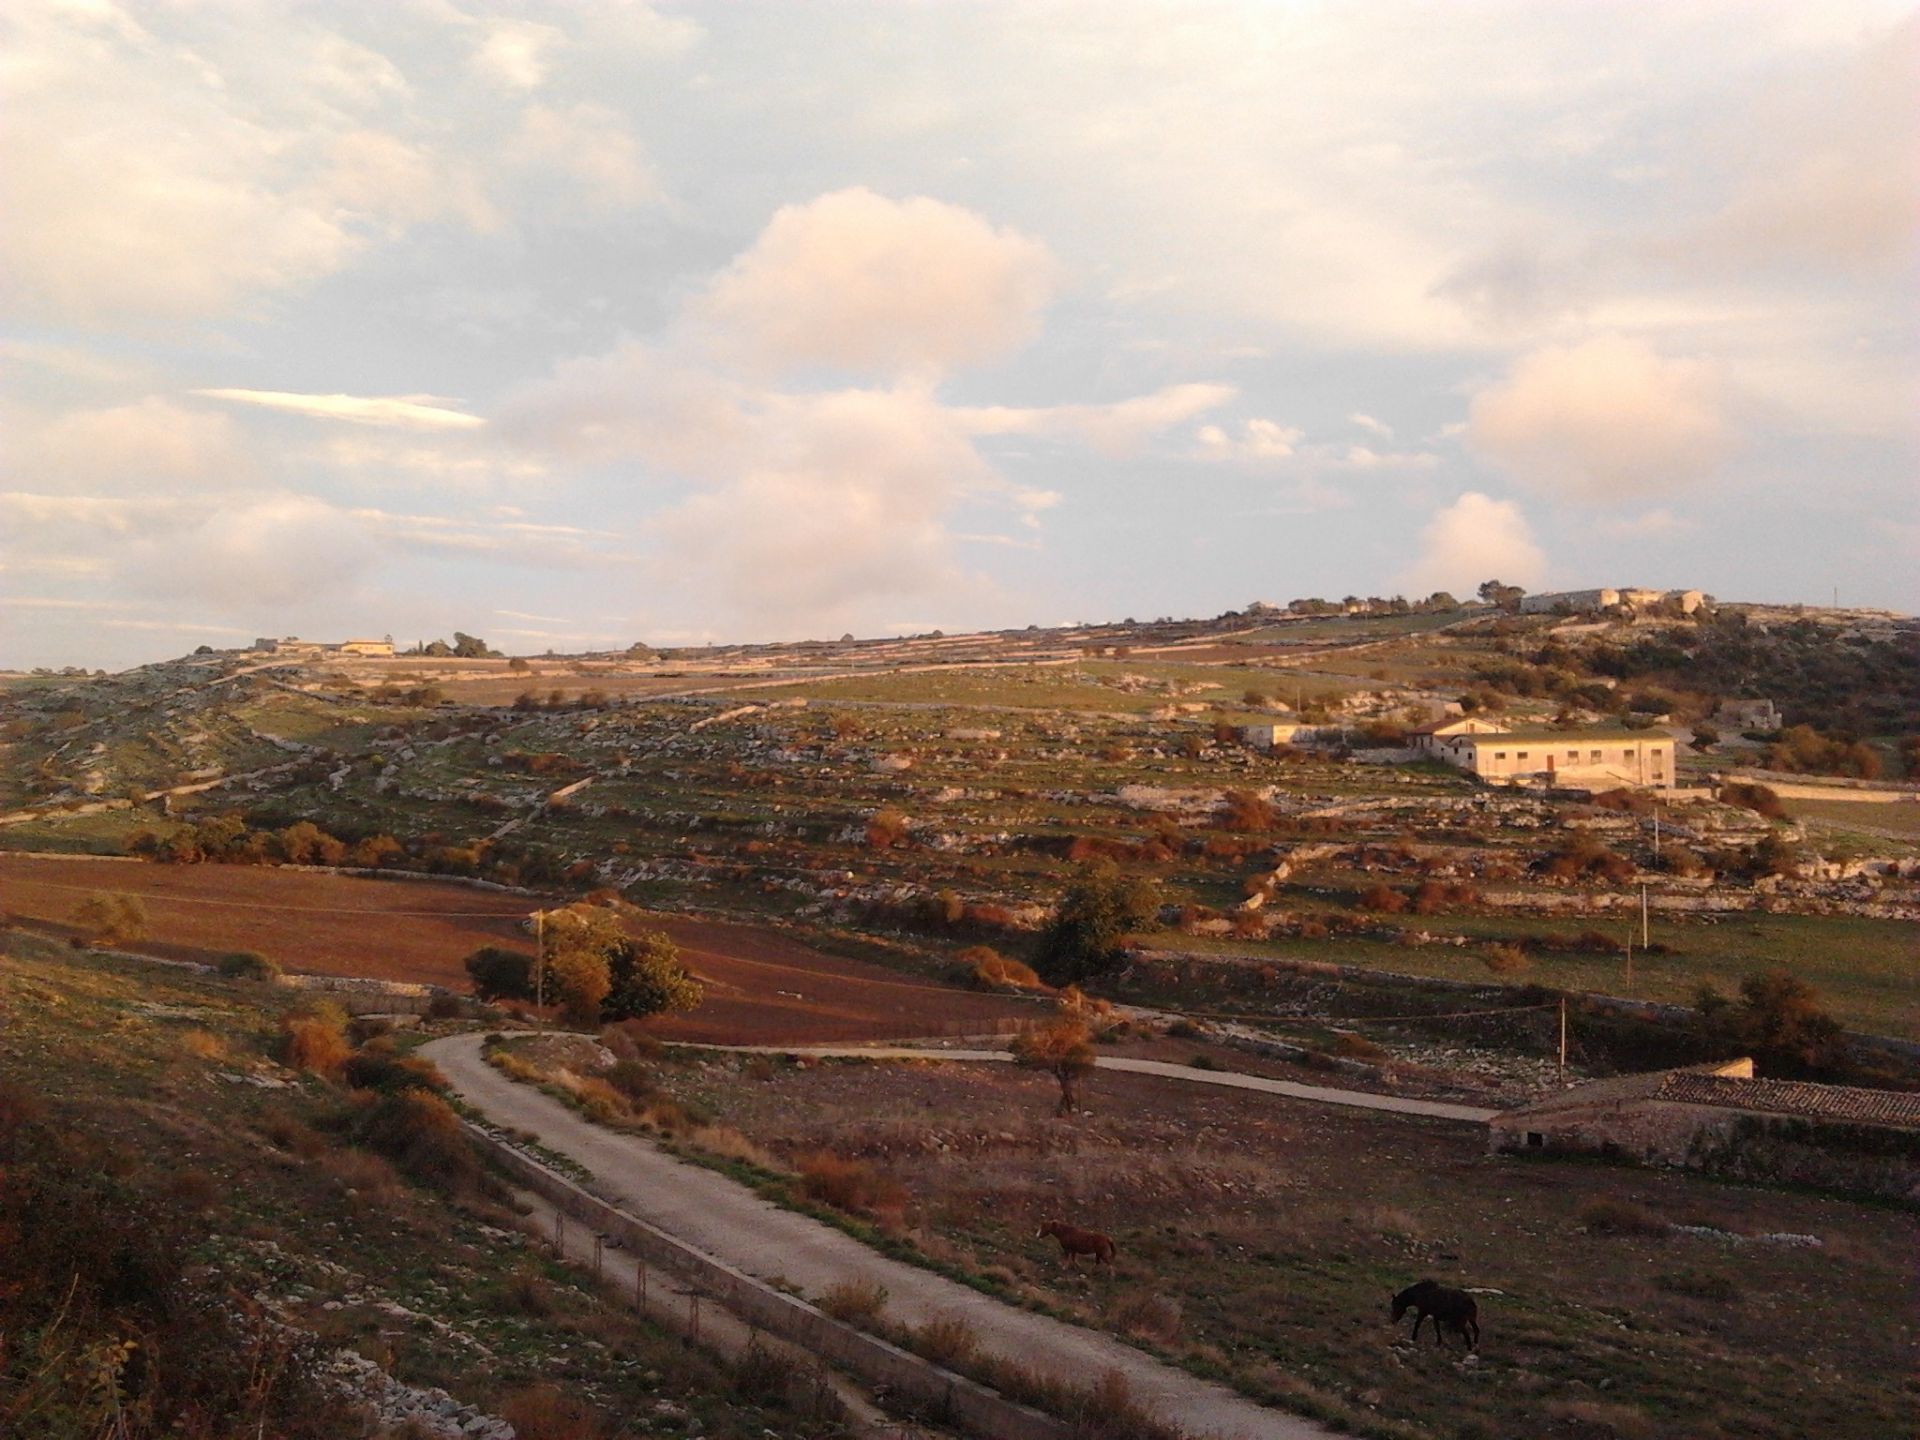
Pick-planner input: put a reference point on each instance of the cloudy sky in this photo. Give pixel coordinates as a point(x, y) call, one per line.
point(575, 324)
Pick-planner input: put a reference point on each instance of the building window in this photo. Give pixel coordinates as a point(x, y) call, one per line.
point(1596, 757)
point(1573, 754)
point(1499, 754)
point(1521, 756)
point(1535, 1140)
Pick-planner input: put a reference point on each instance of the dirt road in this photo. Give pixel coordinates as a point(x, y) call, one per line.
point(1319, 1094)
point(726, 1220)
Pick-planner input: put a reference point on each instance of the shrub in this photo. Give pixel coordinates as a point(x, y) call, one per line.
point(378, 1066)
point(248, 965)
point(500, 974)
point(1382, 898)
point(1505, 959)
point(990, 970)
point(1607, 1215)
point(1062, 1047)
point(1356, 1047)
point(1147, 1316)
point(632, 1079)
point(646, 977)
point(1100, 908)
point(886, 828)
point(857, 1302)
point(1760, 799)
point(1698, 1285)
point(314, 1044)
point(109, 919)
point(849, 1184)
point(949, 1341)
point(444, 1007)
point(418, 1131)
point(204, 1044)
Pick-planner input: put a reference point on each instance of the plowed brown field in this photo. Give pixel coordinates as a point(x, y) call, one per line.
point(763, 987)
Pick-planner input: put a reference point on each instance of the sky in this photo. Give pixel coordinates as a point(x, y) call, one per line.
point(575, 325)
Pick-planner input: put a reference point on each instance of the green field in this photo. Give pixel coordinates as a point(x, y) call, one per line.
point(1867, 971)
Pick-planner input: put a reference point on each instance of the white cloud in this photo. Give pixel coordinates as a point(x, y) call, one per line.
point(1653, 524)
point(1363, 457)
point(1120, 427)
point(514, 53)
point(149, 444)
point(1367, 422)
point(591, 144)
point(858, 282)
point(413, 412)
point(1605, 420)
point(1257, 440)
point(1474, 539)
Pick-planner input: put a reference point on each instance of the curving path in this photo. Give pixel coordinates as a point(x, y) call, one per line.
point(1319, 1094)
point(727, 1220)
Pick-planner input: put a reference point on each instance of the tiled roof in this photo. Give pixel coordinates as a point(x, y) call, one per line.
point(1771, 1097)
point(1793, 1097)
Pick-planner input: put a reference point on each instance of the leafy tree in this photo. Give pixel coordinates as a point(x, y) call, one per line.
point(579, 979)
point(1778, 1019)
point(648, 978)
point(501, 974)
point(1100, 908)
point(470, 647)
point(579, 944)
point(1063, 1047)
point(1506, 597)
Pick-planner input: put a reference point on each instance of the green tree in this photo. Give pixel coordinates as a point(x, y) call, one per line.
point(470, 647)
point(501, 974)
point(1100, 908)
point(648, 978)
point(1778, 1019)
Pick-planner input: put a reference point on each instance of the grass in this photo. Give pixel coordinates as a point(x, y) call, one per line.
point(145, 1063)
point(1259, 1242)
point(1862, 968)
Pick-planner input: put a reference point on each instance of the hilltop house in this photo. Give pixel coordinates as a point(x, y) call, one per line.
point(1587, 759)
point(1587, 602)
point(1720, 1118)
point(380, 648)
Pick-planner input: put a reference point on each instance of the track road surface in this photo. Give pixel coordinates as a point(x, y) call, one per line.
point(727, 1220)
point(1233, 1080)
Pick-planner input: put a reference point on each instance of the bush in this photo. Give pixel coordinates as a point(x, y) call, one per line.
point(313, 1043)
point(1147, 1316)
point(848, 1184)
point(1778, 1019)
point(501, 974)
point(1607, 1215)
point(1382, 898)
point(857, 1302)
point(990, 970)
point(1505, 959)
point(248, 965)
point(418, 1131)
point(109, 919)
point(1100, 908)
point(1760, 799)
point(1356, 1047)
point(378, 1066)
point(949, 1341)
point(545, 1412)
point(632, 1079)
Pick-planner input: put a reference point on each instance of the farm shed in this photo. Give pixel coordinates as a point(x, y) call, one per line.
point(1722, 1120)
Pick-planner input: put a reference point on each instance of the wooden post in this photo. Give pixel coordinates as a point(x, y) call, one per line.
point(1646, 935)
point(693, 1305)
point(599, 1243)
point(640, 1283)
point(559, 1234)
point(1563, 1037)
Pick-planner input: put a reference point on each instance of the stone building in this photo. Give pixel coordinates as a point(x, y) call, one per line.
point(1583, 759)
point(1721, 1119)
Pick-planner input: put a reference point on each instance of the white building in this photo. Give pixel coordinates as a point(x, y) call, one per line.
point(1584, 759)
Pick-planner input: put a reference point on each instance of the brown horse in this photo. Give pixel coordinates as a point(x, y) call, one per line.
point(1075, 1242)
point(1453, 1309)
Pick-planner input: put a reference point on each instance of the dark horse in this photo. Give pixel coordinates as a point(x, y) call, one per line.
point(1453, 1309)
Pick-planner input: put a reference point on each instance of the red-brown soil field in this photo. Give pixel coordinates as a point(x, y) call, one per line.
point(762, 986)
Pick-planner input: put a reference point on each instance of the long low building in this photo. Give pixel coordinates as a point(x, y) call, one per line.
point(1589, 759)
point(1721, 1119)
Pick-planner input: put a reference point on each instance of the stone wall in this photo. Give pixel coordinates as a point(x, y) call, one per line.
point(965, 1402)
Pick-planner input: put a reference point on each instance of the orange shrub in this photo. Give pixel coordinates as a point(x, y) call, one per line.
point(848, 1184)
point(312, 1044)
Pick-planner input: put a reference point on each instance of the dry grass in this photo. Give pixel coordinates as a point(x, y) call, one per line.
point(857, 1302)
point(1145, 1315)
point(850, 1185)
point(1610, 1215)
point(313, 1044)
point(545, 1412)
point(948, 1341)
point(204, 1044)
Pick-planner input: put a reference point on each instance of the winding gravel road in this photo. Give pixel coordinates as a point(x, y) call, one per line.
point(729, 1221)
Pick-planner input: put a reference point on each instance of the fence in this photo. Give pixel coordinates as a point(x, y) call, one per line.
point(967, 1403)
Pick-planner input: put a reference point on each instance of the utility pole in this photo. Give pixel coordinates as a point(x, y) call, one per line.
point(540, 957)
point(1646, 941)
point(1629, 958)
point(1656, 830)
point(1563, 1037)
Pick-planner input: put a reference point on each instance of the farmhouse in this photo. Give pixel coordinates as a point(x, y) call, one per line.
point(1721, 1118)
point(1592, 759)
point(1429, 739)
point(382, 648)
point(1762, 716)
